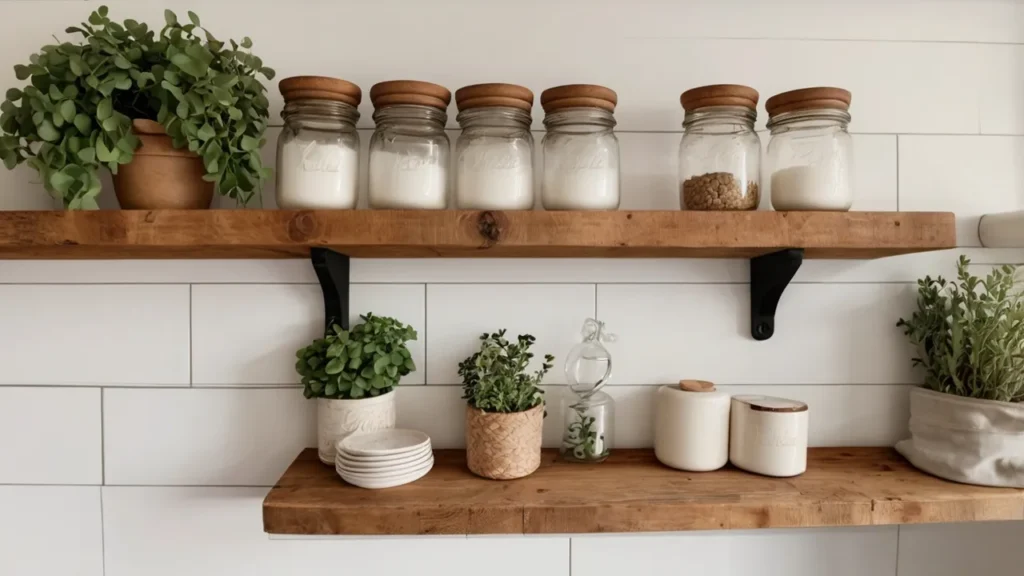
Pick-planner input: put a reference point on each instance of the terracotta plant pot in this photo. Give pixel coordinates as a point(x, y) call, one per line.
point(160, 176)
point(336, 419)
point(503, 446)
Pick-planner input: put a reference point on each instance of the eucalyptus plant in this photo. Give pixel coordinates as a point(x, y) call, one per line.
point(76, 113)
point(970, 334)
point(368, 360)
point(495, 378)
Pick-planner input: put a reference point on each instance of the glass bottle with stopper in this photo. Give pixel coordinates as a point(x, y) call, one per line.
point(590, 415)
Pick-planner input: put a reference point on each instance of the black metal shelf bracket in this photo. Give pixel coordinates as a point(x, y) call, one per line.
point(332, 269)
point(769, 276)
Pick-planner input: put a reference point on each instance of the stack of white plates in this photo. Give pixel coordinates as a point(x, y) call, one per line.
point(385, 458)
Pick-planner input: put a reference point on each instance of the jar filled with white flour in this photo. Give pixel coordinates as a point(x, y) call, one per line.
point(720, 153)
point(318, 149)
point(409, 149)
point(581, 153)
point(494, 154)
point(810, 154)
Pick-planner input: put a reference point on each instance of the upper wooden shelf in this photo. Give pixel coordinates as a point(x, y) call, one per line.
point(460, 233)
point(630, 492)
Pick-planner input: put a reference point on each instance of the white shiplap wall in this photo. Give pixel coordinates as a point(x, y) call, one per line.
point(145, 407)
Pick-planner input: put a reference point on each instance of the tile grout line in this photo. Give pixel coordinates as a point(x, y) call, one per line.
point(103, 440)
point(896, 568)
point(570, 556)
point(103, 536)
point(426, 342)
point(897, 172)
point(191, 376)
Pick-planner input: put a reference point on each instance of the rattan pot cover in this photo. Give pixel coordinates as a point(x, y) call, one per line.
point(503, 446)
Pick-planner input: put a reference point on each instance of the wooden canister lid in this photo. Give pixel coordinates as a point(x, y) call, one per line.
point(578, 96)
point(696, 386)
point(719, 95)
point(410, 92)
point(808, 99)
point(771, 403)
point(320, 88)
point(495, 94)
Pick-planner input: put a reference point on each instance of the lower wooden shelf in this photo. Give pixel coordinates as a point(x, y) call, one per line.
point(630, 492)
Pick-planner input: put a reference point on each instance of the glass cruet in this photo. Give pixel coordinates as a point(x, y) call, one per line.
point(589, 416)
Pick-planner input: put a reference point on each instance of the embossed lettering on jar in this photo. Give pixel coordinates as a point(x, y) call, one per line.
point(409, 150)
point(317, 151)
point(581, 152)
point(494, 153)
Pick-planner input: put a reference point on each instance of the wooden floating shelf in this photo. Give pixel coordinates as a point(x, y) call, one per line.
point(630, 492)
point(116, 234)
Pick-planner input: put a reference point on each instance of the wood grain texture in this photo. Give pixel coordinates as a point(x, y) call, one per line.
point(630, 492)
point(115, 234)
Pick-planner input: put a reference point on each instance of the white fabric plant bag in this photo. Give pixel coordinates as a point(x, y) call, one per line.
point(966, 440)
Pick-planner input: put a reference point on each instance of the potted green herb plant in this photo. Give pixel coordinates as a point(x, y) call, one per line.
point(505, 410)
point(967, 421)
point(174, 114)
point(352, 374)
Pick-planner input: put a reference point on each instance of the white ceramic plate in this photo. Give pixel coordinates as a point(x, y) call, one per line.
point(428, 463)
point(387, 459)
point(386, 466)
point(377, 483)
point(383, 442)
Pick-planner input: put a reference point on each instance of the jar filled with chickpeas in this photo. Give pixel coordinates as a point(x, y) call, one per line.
point(720, 153)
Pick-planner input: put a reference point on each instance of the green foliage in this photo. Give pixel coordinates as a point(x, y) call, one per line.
point(75, 115)
point(970, 334)
point(367, 360)
point(495, 379)
point(581, 442)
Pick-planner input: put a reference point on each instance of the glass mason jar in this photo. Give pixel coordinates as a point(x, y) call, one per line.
point(318, 149)
point(720, 153)
point(494, 159)
point(810, 153)
point(588, 428)
point(409, 149)
point(581, 152)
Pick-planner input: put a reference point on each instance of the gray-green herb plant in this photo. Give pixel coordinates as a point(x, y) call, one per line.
point(76, 114)
point(970, 334)
point(495, 379)
point(581, 442)
point(368, 360)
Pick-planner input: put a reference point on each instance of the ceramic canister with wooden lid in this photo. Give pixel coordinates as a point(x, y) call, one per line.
point(409, 150)
point(581, 152)
point(691, 426)
point(768, 435)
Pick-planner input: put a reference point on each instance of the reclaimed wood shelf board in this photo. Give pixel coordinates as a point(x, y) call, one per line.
point(117, 234)
point(630, 492)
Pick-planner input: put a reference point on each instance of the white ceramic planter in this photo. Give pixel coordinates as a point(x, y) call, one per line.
point(691, 429)
point(337, 419)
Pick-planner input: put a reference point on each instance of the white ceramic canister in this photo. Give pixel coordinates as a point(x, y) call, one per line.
point(691, 426)
point(768, 435)
point(337, 419)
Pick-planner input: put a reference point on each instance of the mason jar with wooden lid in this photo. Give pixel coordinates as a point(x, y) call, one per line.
point(581, 152)
point(494, 153)
point(409, 149)
point(318, 149)
point(720, 153)
point(810, 154)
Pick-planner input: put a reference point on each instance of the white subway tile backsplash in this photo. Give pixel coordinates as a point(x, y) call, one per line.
point(50, 530)
point(439, 411)
point(824, 334)
point(1003, 78)
point(967, 175)
point(88, 335)
point(457, 314)
point(836, 552)
point(989, 548)
point(209, 437)
point(248, 334)
point(218, 531)
point(50, 436)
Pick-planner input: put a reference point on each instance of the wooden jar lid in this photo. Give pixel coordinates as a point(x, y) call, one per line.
point(807, 99)
point(696, 386)
point(719, 95)
point(320, 88)
point(486, 95)
point(771, 403)
point(578, 96)
point(410, 92)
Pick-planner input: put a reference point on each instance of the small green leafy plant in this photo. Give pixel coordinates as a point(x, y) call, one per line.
point(495, 379)
point(367, 360)
point(970, 334)
point(582, 441)
point(76, 114)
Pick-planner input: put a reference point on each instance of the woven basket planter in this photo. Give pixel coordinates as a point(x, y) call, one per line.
point(503, 446)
